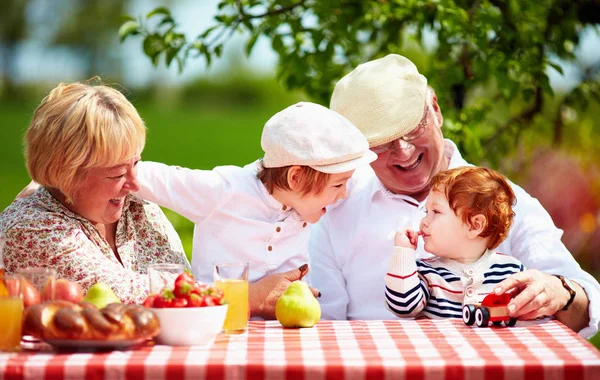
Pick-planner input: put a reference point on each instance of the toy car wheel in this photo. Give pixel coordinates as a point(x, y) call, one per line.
point(511, 322)
point(482, 317)
point(469, 314)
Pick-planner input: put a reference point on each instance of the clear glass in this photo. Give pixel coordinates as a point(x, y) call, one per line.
point(43, 280)
point(163, 276)
point(11, 312)
point(38, 285)
point(232, 278)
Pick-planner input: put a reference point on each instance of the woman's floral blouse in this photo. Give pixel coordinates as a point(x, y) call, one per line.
point(41, 232)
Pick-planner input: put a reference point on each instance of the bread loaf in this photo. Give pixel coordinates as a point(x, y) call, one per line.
point(66, 320)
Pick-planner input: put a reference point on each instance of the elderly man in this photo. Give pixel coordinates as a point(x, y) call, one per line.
point(391, 103)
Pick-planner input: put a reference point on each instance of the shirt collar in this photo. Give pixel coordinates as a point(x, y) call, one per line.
point(269, 200)
point(480, 266)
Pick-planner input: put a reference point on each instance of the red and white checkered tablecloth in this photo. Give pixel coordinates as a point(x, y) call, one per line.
point(406, 349)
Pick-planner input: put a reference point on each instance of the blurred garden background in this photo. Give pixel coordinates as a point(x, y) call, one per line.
point(206, 116)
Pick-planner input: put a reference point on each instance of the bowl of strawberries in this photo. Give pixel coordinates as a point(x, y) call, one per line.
point(190, 313)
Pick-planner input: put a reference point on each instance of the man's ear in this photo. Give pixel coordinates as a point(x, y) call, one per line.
point(477, 224)
point(293, 177)
point(437, 112)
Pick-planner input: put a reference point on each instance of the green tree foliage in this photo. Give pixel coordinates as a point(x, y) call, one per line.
point(86, 27)
point(488, 63)
point(12, 31)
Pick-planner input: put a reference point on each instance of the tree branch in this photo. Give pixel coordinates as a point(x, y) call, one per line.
point(275, 12)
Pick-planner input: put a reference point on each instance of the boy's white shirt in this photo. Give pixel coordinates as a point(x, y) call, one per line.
point(236, 219)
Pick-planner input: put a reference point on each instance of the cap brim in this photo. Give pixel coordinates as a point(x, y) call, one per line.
point(346, 166)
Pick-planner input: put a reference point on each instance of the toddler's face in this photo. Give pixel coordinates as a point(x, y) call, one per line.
point(311, 207)
point(444, 233)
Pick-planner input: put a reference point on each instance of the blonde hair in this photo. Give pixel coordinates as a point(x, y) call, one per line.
point(310, 181)
point(79, 126)
point(472, 190)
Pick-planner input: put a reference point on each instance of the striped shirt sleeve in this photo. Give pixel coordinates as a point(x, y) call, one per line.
point(406, 292)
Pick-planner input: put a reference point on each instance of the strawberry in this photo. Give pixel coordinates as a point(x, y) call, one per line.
point(149, 301)
point(194, 300)
point(183, 288)
point(165, 299)
point(208, 301)
point(185, 276)
point(180, 302)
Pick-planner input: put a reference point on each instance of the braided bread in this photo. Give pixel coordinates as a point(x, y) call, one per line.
point(84, 321)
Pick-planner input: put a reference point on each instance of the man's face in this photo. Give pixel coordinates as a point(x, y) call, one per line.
point(407, 168)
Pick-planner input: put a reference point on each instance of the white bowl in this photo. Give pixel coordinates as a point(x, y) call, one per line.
point(190, 326)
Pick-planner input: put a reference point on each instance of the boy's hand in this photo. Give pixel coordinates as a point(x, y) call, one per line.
point(406, 238)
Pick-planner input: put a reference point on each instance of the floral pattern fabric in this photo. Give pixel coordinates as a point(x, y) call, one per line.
point(41, 232)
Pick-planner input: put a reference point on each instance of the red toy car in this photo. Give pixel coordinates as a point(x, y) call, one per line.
point(492, 309)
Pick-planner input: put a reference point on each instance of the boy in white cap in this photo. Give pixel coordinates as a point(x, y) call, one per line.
point(260, 213)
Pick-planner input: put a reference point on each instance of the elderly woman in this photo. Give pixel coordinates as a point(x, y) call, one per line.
point(82, 147)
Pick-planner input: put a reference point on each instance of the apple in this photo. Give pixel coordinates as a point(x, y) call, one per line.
point(63, 290)
point(29, 293)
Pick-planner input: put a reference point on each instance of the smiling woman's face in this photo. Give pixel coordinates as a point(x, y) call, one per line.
point(101, 194)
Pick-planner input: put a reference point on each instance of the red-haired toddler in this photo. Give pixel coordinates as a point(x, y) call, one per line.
point(469, 213)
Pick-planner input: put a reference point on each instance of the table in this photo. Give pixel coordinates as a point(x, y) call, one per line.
point(406, 349)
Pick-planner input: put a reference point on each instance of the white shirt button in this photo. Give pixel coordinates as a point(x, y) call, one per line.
point(469, 272)
point(470, 292)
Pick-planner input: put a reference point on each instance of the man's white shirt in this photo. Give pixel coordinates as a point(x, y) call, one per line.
point(351, 245)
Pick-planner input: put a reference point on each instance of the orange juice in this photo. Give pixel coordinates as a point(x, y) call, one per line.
point(11, 321)
point(236, 295)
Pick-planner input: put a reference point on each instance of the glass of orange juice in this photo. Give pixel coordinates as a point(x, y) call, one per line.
point(11, 312)
point(232, 278)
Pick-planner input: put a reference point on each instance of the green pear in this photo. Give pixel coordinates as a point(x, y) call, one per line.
point(297, 306)
point(100, 295)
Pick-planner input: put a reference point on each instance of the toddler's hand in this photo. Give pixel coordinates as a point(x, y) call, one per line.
point(406, 238)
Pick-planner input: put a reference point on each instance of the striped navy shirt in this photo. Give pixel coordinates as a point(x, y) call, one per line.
point(438, 287)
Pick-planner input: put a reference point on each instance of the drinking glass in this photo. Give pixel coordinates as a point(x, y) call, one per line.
point(37, 285)
point(43, 280)
point(11, 312)
point(232, 278)
point(163, 276)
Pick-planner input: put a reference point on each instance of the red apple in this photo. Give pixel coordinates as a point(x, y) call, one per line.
point(29, 293)
point(63, 290)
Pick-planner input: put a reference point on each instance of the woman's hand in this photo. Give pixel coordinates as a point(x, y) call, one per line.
point(406, 238)
point(264, 293)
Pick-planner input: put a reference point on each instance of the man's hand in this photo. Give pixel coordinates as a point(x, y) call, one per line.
point(406, 238)
point(265, 292)
point(537, 294)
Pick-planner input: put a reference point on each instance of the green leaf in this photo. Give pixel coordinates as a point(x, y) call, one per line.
point(159, 11)
point(251, 43)
point(218, 50)
point(556, 67)
point(166, 20)
point(127, 18)
point(208, 31)
point(171, 53)
point(129, 28)
point(153, 46)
